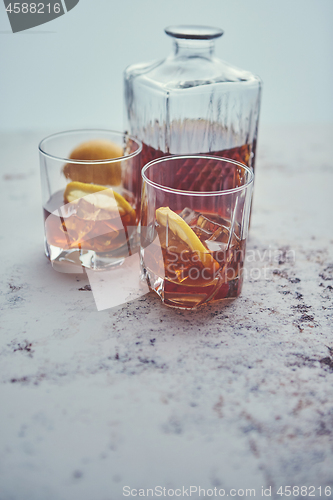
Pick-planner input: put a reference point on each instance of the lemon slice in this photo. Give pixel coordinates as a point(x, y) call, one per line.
point(99, 196)
point(97, 149)
point(165, 216)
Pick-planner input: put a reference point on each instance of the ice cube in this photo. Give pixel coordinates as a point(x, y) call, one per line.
point(216, 246)
point(213, 230)
point(202, 233)
point(77, 229)
point(86, 210)
point(93, 207)
point(188, 215)
point(221, 234)
point(220, 242)
point(211, 222)
point(221, 239)
point(81, 221)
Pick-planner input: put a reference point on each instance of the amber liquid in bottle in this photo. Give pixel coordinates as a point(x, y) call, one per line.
point(244, 154)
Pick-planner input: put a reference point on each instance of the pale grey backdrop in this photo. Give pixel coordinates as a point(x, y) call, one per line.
point(68, 73)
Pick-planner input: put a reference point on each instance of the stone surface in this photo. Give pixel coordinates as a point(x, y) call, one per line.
point(142, 395)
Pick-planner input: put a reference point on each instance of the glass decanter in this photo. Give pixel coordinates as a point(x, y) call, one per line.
point(192, 102)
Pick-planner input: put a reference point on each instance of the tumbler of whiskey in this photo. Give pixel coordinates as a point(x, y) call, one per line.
point(195, 214)
point(90, 218)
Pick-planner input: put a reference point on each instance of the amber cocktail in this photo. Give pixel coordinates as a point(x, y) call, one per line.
point(90, 197)
point(193, 239)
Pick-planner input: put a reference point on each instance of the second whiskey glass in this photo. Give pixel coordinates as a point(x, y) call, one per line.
point(194, 223)
point(91, 198)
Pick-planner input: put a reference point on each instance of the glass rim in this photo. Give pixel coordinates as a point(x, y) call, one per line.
point(197, 193)
point(85, 162)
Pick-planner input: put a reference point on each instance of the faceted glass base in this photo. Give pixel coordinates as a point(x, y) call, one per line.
point(76, 260)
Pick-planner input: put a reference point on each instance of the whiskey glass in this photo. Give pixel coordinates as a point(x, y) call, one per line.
point(91, 198)
point(195, 212)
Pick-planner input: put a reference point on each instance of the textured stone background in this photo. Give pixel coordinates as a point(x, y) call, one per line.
point(143, 395)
